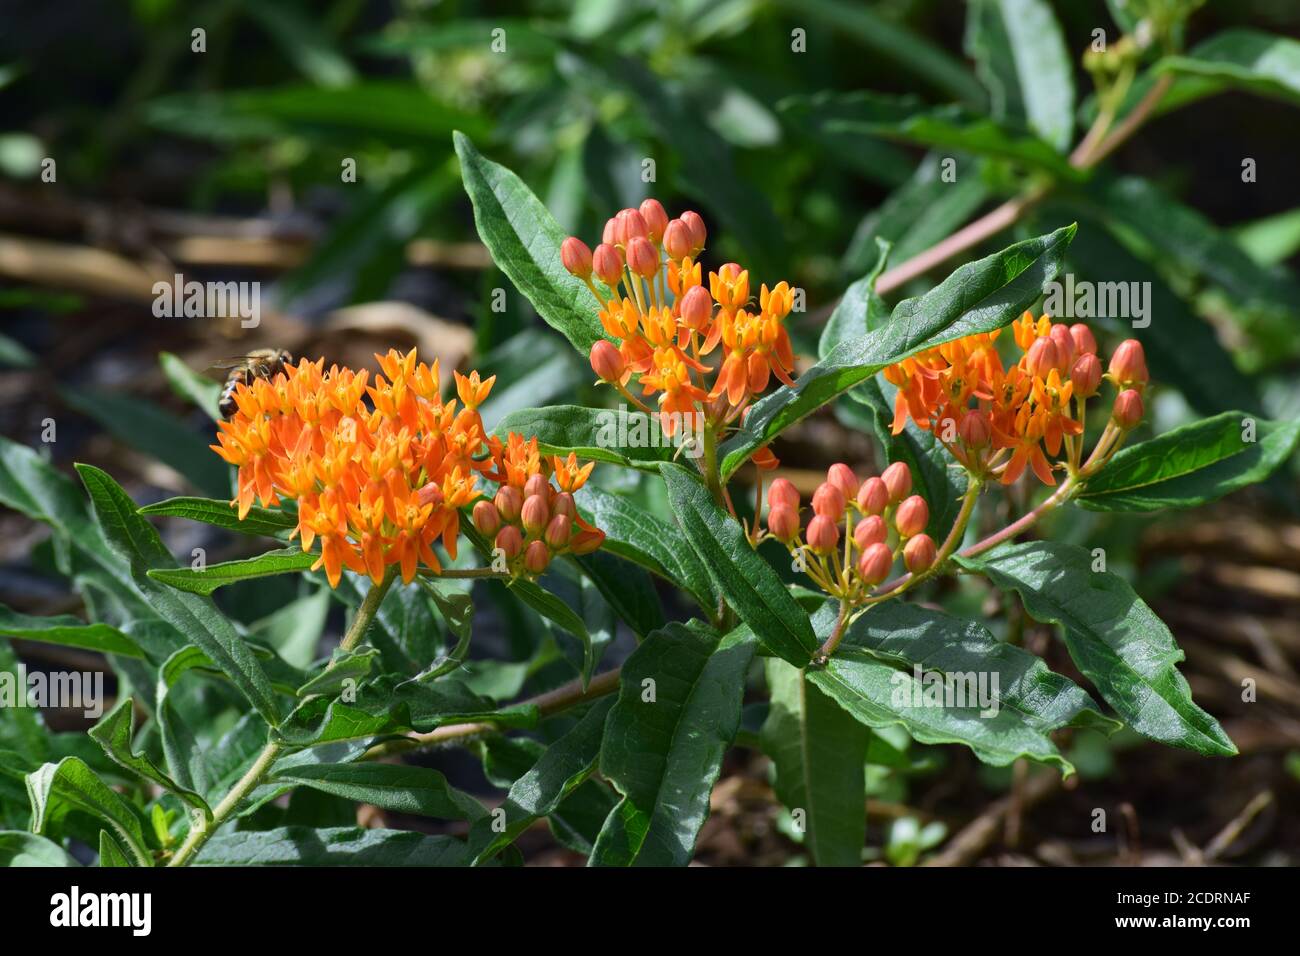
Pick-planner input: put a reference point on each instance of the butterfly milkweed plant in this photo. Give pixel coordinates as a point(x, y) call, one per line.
point(603, 602)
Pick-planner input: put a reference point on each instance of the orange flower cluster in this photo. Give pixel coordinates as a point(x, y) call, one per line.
point(379, 471)
point(997, 421)
point(881, 522)
point(664, 322)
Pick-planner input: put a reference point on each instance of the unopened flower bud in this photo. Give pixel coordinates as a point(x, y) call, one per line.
point(607, 361)
point(975, 429)
point(610, 233)
point(823, 534)
point(1084, 341)
point(1128, 366)
point(1086, 375)
point(898, 479)
point(828, 501)
point(630, 226)
point(576, 256)
point(783, 492)
point(656, 220)
point(873, 496)
point(642, 257)
point(912, 517)
point(585, 542)
point(537, 557)
point(509, 500)
point(563, 504)
point(1041, 357)
point(1065, 348)
point(1128, 410)
point(919, 553)
point(783, 522)
point(486, 517)
point(534, 514)
point(677, 240)
point(870, 530)
point(537, 485)
point(842, 477)
point(558, 531)
point(509, 541)
point(697, 231)
point(696, 308)
point(607, 264)
point(875, 562)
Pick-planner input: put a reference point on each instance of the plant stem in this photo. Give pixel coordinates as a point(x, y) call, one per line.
point(466, 573)
point(837, 635)
point(366, 612)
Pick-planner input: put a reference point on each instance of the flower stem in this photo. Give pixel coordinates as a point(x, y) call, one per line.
point(366, 612)
point(837, 635)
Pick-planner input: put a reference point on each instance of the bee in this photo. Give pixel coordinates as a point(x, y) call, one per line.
point(260, 363)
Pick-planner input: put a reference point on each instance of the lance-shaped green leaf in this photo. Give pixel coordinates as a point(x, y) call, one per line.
point(678, 709)
point(189, 384)
point(18, 848)
point(111, 853)
point(979, 297)
point(56, 789)
point(1251, 60)
point(69, 631)
point(618, 436)
point(1021, 56)
point(743, 577)
point(632, 532)
point(222, 514)
point(345, 668)
point(331, 846)
point(818, 750)
point(1191, 465)
point(113, 733)
point(213, 576)
point(524, 240)
point(420, 791)
point(1114, 638)
point(138, 545)
point(627, 589)
point(564, 766)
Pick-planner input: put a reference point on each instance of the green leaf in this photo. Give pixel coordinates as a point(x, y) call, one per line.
point(1192, 465)
point(633, 533)
point(1113, 637)
point(620, 437)
point(27, 849)
point(525, 241)
point(344, 668)
point(979, 297)
point(745, 579)
point(59, 788)
point(559, 771)
point(189, 384)
point(415, 790)
point(138, 545)
point(664, 754)
point(995, 698)
point(331, 846)
point(627, 589)
point(111, 853)
point(113, 733)
point(223, 514)
point(818, 750)
point(1250, 60)
point(1022, 58)
point(213, 576)
point(69, 631)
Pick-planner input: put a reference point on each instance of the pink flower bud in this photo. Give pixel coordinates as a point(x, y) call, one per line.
point(537, 485)
point(783, 492)
point(875, 562)
point(563, 504)
point(1128, 366)
point(1128, 410)
point(630, 226)
point(585, 542)
point(558, 531)
point(975, 429)
point(677, 240)
point(823, 534)
point(783, 522)
point(656, 220)
point(843, 478)
point(828, 501)
point(696, 308)
point(642, 257)
point(486, 517)
point(509, 541)
point(607, 361)
point(919, 553)
point(873, 496)
point(534, 514)
point(1084, 341)
point(537, 557)
point(1041, 357)
point(696, 226)
point(870, 530)
point(576, 256)
point(912, 517)
point(508, 501)
point(609, 235)
point(1086, 375)
point(1065, 348)
point(898, 479)
point(607, 264)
